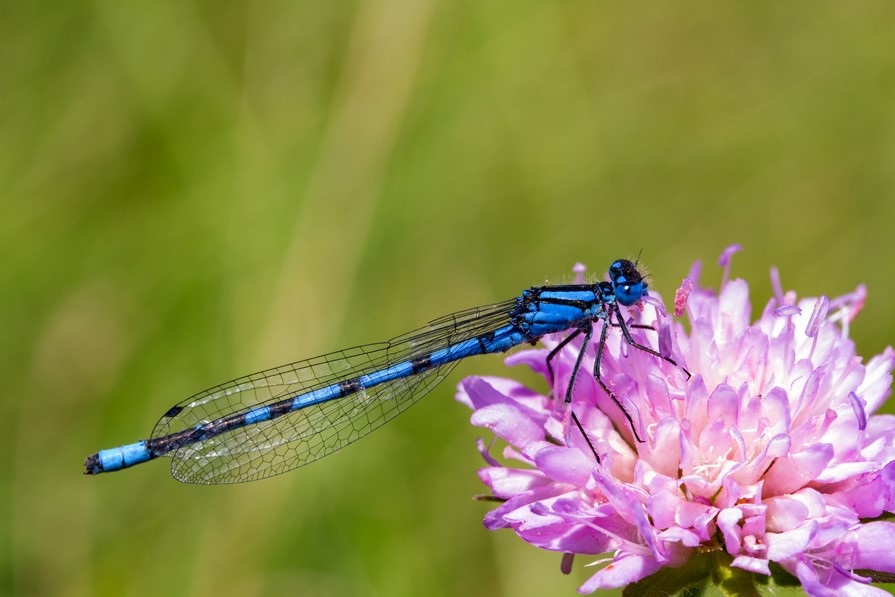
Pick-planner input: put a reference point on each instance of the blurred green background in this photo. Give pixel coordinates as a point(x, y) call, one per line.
point(191, 191)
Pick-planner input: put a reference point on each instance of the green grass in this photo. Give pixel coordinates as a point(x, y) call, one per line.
point(194, 190)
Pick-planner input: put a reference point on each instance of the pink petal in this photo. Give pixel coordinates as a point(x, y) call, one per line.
point(728, 523)
point(507, 482)
point(832, 583)
point(782, 546)
point(566, 465)
point(624, 570)
point(499, 518)
point(479, 392)
point(551, 524)
point(508, 422)
point(846, 470)
point(662, 507)
point(797, 470)
point(869, 498)
point(727, 253)
point(785, 513)
point(665, 455)
point(724, 405)
point(878, 384)
point(533, 358)
point(757, 565)
point(873, 548)
point(734, 307)
point(682, 536)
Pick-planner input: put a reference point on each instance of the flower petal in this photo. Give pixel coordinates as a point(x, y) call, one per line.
point(797, 470)
point(782, 546)
point(873, 546)
point(508, 422)
point(624, 570)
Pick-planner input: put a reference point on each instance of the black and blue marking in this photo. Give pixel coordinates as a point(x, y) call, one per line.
point(276, 420)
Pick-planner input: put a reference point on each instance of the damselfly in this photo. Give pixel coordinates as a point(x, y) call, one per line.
point(276, 420)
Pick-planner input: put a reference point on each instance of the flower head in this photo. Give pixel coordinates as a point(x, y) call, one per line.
point(767, 462)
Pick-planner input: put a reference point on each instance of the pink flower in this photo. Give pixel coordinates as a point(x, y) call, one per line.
point(768, 462)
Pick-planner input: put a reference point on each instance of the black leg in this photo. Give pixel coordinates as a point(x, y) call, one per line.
point(584, 433)
point(588, 334)
point(639, 326)
point(603, 385)
point(556, 350)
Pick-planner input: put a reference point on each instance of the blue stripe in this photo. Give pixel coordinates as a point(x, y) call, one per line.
point(316, 397)
point(462, 350)
point(395, 371)
point(257, 415)
point(558, 314)
point(115, 459)
point(505, 339)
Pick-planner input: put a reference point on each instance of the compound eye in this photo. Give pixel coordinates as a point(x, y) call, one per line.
point(628, 294)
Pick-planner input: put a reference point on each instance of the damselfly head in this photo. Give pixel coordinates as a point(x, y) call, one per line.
point(627, 282)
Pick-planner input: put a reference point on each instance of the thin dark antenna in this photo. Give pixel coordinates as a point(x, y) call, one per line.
point(639, 253)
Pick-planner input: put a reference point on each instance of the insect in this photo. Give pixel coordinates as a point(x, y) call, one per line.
point(276, 420)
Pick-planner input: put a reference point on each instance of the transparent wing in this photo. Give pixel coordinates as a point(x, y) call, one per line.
point(275, 446)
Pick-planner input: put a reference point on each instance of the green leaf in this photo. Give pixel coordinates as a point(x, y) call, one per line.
point(688, 580)
point(779, 577)
point(734, 582)
point(708, 574)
